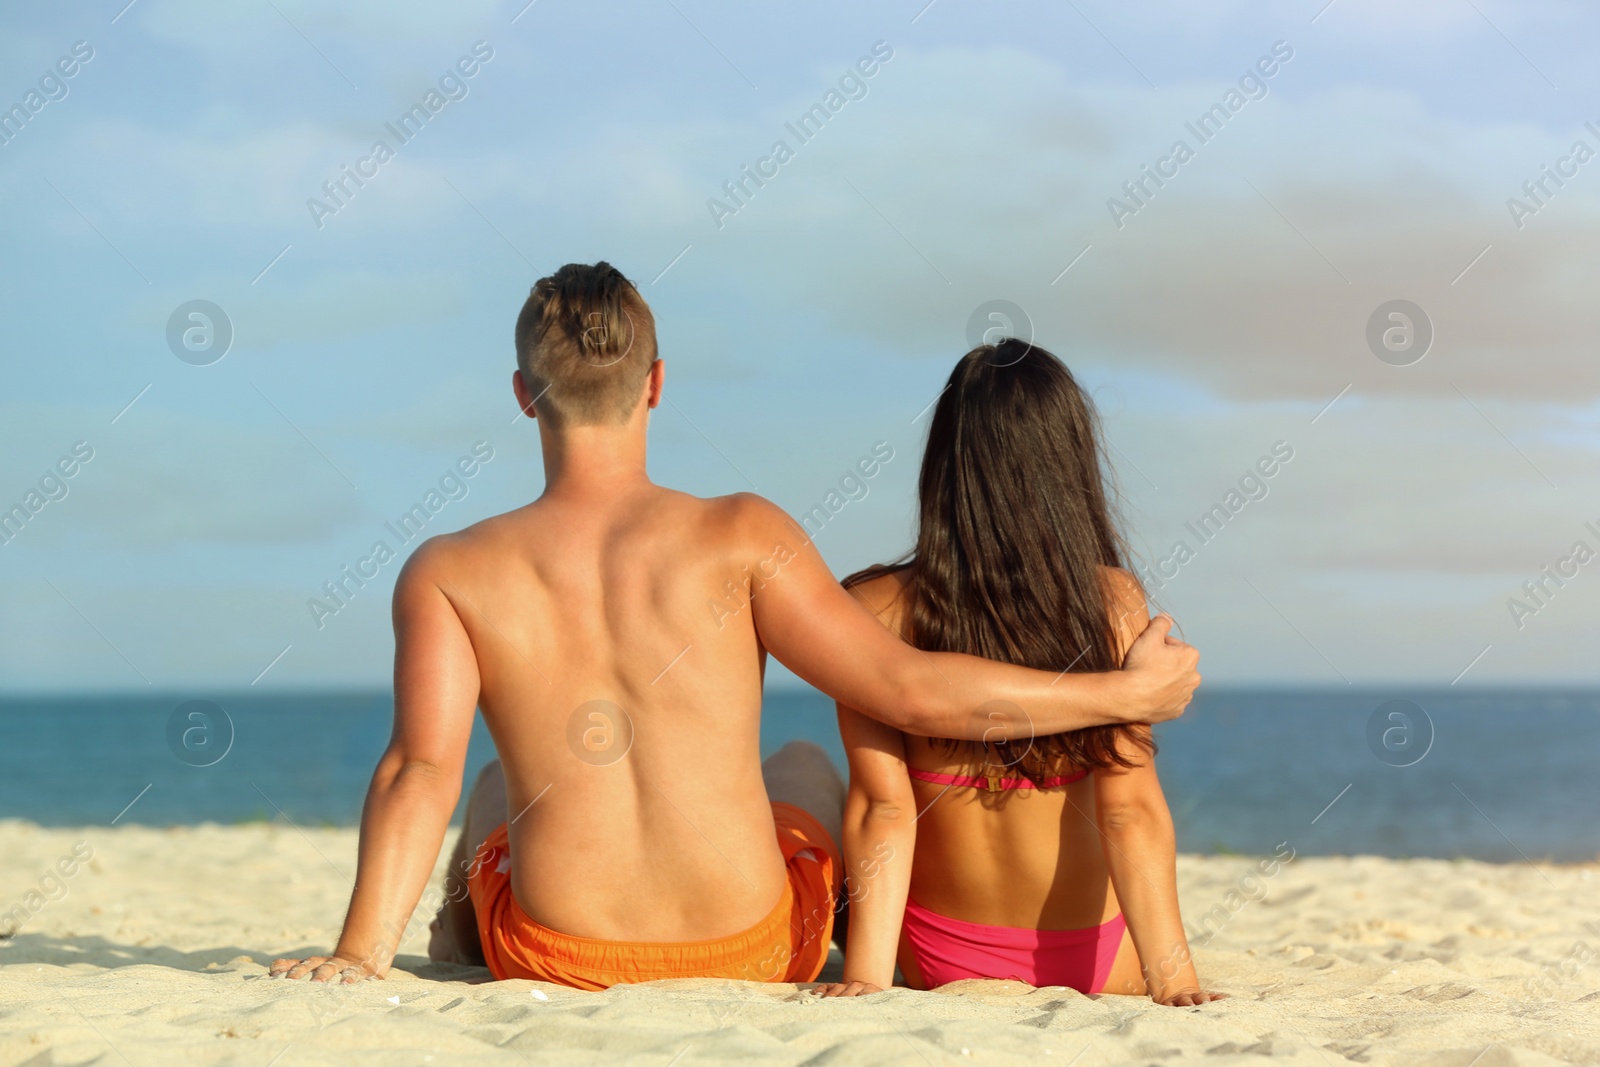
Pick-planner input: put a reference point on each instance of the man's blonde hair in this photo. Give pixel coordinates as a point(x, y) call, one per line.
point(585, 343)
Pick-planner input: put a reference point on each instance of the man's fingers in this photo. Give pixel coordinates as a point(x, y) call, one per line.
point(1158, 629)
point(319, 969)
point(301, 968)
point(325, 972)
point(1188, 655)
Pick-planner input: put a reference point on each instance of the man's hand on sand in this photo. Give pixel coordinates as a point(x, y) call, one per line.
point(321, 969)
point(1166, 668)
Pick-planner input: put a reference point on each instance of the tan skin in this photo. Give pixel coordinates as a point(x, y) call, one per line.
point(1057, 859)
point(603, 588)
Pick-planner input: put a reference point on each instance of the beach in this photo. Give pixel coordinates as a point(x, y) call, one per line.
point(155, 950)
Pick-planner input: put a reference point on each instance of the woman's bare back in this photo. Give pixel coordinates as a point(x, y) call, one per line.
point(1019, 858)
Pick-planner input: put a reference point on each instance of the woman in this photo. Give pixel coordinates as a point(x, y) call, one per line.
point(1045, 859)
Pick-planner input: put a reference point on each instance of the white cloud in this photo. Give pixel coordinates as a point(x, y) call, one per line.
point(1363, 197)
point(1360, 196)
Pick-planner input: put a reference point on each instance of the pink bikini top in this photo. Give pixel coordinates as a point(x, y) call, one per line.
point(992, 783)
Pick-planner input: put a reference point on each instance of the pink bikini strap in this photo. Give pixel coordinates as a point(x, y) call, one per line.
point(992, 783)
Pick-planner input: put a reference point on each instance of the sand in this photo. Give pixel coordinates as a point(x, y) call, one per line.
point(157, 954)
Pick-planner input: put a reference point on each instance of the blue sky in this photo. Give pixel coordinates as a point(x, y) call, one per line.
point(1221, 317)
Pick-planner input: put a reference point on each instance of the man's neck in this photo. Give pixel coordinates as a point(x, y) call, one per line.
point(599, 461)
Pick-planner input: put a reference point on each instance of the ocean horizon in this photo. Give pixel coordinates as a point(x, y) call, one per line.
point(1483, 774)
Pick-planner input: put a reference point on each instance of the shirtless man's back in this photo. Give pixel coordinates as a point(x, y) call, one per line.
point(613, 634)
point(627, 720)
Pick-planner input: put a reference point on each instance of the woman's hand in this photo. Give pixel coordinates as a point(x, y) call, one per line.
point(322, 969)
point(1188, 998)
point(847, 989)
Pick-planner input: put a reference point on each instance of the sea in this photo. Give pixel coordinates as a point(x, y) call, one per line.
point(1499, 775)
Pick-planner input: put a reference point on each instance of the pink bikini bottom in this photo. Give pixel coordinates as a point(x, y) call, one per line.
point(947, 950)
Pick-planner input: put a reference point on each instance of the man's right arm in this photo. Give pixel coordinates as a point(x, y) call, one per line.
point(819, 631)
point(418, 780)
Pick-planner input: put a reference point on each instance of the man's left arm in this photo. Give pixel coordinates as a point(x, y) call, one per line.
point(418, 780)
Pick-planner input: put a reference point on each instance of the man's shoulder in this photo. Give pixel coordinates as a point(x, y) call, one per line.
point(463, 562)
point(434, 559)
point(431, 562)
point(748, 516)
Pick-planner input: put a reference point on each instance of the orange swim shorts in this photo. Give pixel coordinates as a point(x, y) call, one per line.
point(789, 945)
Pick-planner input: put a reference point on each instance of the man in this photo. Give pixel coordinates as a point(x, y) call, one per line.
point(614, 634)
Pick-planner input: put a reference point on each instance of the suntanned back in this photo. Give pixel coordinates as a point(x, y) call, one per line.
point(644, 816)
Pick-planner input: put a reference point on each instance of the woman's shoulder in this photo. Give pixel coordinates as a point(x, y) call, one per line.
point(885, 591)
point(1122, 586)
point(1125, 597)
point(1126, 604)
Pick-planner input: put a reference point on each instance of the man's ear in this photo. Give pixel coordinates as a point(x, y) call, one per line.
point(658, 374)
point(525, 397)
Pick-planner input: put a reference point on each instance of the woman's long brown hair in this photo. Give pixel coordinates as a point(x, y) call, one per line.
point(1013, 534)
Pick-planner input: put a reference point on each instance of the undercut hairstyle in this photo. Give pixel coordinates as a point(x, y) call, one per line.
point(1015, 528)
point(585, 342)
